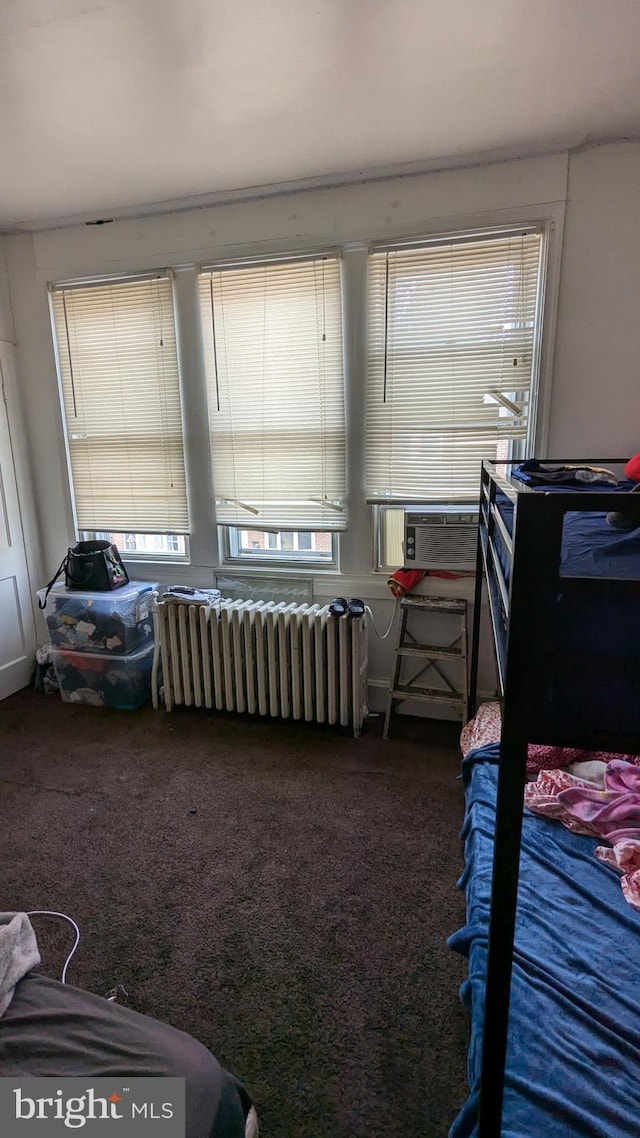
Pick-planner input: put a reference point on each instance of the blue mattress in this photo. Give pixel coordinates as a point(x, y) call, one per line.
point(590, 546)
point(573, 1059)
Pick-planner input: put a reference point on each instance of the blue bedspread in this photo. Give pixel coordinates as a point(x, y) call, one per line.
point(573, 1062)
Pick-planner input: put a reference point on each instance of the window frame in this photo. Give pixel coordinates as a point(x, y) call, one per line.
point(229, 545)
point(380, 509)
point(105, 279)
point(435, 241)
point(282, 258)
point(354, 236)
point(171, 557)
point(542, 356)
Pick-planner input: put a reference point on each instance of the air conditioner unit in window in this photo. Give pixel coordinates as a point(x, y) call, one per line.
point(441, 537)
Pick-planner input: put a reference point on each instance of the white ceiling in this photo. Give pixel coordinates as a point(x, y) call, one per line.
point(109, 105)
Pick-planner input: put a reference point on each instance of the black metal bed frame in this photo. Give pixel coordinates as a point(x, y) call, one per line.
point(523, 609)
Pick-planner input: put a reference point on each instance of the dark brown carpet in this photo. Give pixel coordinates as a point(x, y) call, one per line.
point(281, 892)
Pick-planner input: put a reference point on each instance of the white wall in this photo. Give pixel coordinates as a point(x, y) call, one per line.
point(6, 316)
point(525, 190)
point(355, 213)
point(595, 396)
point(318, 219)
point(595, 405)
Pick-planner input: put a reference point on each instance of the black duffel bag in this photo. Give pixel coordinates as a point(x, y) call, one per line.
point(95, 566)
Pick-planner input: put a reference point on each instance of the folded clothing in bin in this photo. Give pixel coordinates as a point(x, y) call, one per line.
point(105, 680)
point(117, 622)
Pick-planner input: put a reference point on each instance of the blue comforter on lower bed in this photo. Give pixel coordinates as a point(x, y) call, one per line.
point(573, 1061)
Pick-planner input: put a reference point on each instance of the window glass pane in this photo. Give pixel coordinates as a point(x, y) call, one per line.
point(452, 364)
point(274, 360)
point(285, 545)
point(146, 544)
point(118, 366)
point(391, 537)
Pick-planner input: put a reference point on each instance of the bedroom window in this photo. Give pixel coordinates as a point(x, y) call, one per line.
point(452, 366)
point(273, 351)
point(118, 367)
point(144, 546)
point(282, 545)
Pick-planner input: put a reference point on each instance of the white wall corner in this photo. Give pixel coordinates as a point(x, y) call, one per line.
point(40, 454)
point(7, 331)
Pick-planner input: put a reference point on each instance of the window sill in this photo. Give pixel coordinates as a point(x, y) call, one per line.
point(327, 583)
point(296, 568)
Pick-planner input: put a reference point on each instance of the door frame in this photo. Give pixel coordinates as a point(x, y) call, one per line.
point(19, 459)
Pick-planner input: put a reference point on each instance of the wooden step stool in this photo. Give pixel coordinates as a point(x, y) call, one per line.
point(407, 645)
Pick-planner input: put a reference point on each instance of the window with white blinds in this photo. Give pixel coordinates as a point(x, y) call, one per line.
point(273, 351)
point(451, 362)
point(118, 364)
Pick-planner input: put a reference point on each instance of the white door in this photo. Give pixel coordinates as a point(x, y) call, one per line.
point(17, 631)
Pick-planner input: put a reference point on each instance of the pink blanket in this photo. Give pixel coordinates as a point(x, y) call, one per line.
point(486, 727)
point(610, 811)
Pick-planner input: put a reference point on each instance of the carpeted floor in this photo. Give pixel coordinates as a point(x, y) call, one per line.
point(281, 892)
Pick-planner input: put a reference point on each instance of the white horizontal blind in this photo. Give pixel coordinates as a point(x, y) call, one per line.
point(119, 370)
point(450, 363)
point(273, 349)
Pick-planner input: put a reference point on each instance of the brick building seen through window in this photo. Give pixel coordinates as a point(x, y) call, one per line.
point(317, 545)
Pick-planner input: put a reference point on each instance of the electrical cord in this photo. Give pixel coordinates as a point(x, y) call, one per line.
point(384, 635)
point(64, 917)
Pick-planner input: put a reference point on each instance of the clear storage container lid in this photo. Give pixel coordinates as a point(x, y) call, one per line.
point(122, 596)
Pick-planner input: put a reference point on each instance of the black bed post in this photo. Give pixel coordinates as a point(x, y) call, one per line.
point(504, 890)
point(533, 587)
point(477, 610)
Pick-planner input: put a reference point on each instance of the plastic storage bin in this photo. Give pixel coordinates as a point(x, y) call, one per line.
point(105, 680)
point(114, 623)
